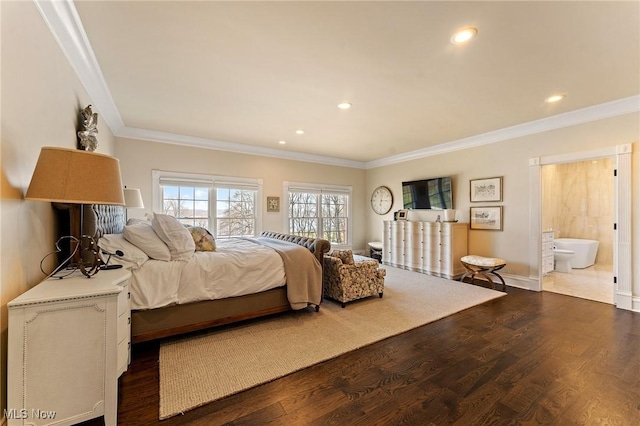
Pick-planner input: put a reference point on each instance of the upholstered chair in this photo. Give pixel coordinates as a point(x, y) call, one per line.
point(345, 280)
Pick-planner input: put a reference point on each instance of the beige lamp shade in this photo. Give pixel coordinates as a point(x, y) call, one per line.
point(133, 198)
point(74, 176)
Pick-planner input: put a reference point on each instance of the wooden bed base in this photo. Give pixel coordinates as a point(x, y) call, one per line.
point(178, 319)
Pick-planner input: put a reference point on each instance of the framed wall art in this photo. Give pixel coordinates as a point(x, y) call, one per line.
point(273, 204)
point(487, 218)
point(488, 189)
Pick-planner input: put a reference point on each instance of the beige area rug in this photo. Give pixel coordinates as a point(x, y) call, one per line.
point(200, 369)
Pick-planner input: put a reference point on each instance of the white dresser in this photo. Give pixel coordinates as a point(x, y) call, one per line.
point(68, 344)
point(547, 252)
point(434, 248)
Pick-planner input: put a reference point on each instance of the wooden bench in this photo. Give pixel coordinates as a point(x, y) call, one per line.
point(480, 265)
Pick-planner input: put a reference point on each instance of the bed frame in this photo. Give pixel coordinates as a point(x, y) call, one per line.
point(177, 319)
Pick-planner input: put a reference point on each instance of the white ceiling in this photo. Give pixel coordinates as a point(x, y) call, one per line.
point(249, 74)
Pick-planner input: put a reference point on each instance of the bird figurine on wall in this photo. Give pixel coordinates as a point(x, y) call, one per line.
point(88, 140)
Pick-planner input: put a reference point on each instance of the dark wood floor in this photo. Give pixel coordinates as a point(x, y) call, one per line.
point(528, 358)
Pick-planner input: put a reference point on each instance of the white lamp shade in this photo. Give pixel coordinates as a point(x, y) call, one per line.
point(133, 198)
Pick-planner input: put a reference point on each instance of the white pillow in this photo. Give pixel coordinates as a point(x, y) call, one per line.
point(175, 235)
point(132, 258)
point(136, 221)
point(145, 238)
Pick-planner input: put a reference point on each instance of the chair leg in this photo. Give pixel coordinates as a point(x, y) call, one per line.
point(343, 305)
point(470, 272)
point(380, 295)
point(488, 278)
point(504, 285)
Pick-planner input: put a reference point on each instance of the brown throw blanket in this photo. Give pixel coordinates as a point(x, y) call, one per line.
point(302, 270)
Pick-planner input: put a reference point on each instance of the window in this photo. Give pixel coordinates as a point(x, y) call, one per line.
point(335, 218)
point(303, 214)
point(235, 212)
point(320, 211)
point(227, 207)
point(189, 204)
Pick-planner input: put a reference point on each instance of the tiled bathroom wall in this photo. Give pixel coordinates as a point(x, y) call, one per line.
point(578, 202)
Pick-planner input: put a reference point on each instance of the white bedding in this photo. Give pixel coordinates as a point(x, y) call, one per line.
point(227, 272)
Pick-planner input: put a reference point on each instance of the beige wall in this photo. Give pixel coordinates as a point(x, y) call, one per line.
point(41, 100)
point(139, 158)
point(578, 202)
point(510, 159)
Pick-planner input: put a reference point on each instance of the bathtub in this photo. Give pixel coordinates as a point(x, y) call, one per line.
point(585, 250)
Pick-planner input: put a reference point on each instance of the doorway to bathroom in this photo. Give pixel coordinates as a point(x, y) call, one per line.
point(577, 207)
point(622, 273)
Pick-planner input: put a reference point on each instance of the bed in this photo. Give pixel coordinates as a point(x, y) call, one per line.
point(177, 318)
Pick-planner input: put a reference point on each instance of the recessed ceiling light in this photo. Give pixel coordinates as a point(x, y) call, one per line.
point(555, 98)
point(300, 132)
point(344, 105)
point(282, 142)
point(463, 35)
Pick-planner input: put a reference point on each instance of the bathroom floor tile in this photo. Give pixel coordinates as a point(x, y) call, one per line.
point(593, 283)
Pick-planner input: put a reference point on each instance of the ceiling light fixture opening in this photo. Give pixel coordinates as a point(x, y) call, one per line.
point(464, 35)
point(282, 142)
point(555, 98)
point(344, 105)
point(300, 132)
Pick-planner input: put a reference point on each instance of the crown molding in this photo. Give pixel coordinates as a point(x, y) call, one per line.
point(593, 113)
point(174, 139)
point(64, 23)
point(585, 115)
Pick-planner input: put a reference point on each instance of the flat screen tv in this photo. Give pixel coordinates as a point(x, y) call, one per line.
point(434, 194)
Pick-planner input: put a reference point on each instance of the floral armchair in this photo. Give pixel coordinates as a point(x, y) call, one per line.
point(345, 280)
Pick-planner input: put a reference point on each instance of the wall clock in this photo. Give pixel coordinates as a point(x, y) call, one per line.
point(381, 200)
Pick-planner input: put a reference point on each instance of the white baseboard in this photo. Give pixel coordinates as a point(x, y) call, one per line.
point(517, 281)
point(511, 281)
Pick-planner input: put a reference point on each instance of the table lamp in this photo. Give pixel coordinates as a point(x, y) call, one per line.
point(132, 200)
point(77, 177)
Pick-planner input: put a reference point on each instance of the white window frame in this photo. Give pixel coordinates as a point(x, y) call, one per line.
point(321, 189)
point(213, 182)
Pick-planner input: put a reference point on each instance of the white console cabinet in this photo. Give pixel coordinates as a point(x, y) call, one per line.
point(434, 248)
point(68, 344)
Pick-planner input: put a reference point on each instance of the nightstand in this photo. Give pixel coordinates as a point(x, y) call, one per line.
point(68, 344)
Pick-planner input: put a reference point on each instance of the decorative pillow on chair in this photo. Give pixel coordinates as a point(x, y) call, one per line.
point(145, 238)
point(202, 238)
point(175, 235)
point(345, 255)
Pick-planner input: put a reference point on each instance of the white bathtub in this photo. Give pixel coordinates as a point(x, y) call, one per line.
point(585, 250)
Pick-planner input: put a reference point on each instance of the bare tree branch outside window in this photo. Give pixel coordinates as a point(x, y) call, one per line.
point(235, 212)
point(312, 214)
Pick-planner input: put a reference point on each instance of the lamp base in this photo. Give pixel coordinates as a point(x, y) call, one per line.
point(92, 269)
